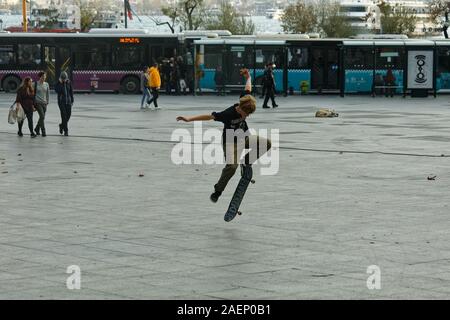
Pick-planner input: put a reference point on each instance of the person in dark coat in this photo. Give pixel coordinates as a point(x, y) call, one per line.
point(65, 101)
point(220, 81)
point(182, 67)
point(25, 98)
point(175, 76)
point(269, 82)
point(390, 83)
point(263, 84)
point(166, 73)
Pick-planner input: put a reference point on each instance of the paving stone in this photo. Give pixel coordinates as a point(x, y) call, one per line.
point(350, 192)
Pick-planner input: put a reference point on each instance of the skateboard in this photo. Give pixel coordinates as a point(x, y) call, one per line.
point(246, 178)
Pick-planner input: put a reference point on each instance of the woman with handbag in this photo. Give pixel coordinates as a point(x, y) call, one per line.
point(25, 99)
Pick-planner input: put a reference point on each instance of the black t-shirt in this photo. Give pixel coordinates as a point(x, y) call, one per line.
point(231, 119)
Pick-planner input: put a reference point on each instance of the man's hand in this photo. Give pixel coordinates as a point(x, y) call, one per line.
point(181, 118)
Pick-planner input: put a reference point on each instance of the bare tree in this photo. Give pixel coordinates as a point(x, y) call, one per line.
point(188, 12)
point(172, 13)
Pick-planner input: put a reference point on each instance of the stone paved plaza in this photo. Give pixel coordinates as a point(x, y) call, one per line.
point(351, 192)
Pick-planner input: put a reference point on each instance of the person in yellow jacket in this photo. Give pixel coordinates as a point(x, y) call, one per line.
point(154, 84)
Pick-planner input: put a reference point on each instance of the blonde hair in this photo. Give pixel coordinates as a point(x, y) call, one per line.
point(247, 104)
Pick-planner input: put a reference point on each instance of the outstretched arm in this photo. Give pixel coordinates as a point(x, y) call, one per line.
point(203, 117)
point(248, 83)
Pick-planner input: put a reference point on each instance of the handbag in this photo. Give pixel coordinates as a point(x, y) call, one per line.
point(12, 115)
point(20, 114)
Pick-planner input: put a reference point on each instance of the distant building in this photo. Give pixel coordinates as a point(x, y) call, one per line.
point(4, 3)
point(66, 15)
point(56, 17)
point(364, 15)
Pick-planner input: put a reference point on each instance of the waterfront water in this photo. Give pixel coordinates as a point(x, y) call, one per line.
point(262, 24)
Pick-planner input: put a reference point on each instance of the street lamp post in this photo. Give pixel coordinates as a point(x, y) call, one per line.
point(24, 15)
point(125, 13)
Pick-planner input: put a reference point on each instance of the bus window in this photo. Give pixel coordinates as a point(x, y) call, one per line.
point(358, 58)
point(170, 52)
point(90, 58)
point(390, 57)
point(298, 58)
point(265, 55)
point(443, 68)
point(7, 55)
point(128, 57)
point(358, 68)
point(155, 55)
point(29, 55)
point(213, 57)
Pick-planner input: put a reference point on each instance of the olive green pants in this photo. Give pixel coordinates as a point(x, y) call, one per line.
point(258, 146)
point(41, 108)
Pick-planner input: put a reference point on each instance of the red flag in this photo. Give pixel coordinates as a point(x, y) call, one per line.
point(128, 8)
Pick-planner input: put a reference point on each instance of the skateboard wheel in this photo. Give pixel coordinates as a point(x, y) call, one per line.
point(239, 213)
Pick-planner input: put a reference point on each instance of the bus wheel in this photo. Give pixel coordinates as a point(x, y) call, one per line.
point(130, 85)
point(11, 84)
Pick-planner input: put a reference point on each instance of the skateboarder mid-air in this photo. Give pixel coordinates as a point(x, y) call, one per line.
point(233, 119)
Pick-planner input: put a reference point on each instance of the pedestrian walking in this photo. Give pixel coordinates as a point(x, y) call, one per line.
point(65, 101)
point(145, 87)
point(269, 82)
point(263, 82)
point(41, 100)
point(155, 84)
point(25, 99)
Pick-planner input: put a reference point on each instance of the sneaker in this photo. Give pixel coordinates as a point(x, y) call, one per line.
point(20, 134)
point(215, 196)
point(275, 106)
point(37, 131)
point(33, 135)
point(266, 107)
point(43, 133)
point(66, 133)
